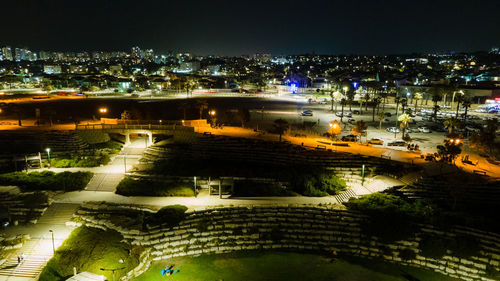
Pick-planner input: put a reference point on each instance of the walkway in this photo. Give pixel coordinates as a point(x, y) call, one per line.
point(38, 250)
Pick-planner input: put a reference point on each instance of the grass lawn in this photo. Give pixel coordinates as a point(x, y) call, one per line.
point(90, 249)
point(244, 266)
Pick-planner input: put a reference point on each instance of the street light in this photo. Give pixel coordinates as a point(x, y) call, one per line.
point(53, 246)
point(48, 155)
point(103, 110)
point(212, 112)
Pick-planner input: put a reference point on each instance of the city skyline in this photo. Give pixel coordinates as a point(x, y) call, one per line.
point(232, 29)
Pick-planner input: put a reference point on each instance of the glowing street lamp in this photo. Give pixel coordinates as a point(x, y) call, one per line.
point(103, 110)
point(53, 245)
point(212, 112)
point(48, 155)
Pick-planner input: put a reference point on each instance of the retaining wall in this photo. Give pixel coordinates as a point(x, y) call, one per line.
point(294, 228)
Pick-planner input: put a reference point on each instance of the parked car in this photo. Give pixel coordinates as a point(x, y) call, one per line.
point(355, 111)
point(338, 114)
point(351, 120)
point(392, 130)
point(388, 114)
point(437, 128)
point(351, 138)
point(397, 143)
point(348, 114)
point(376, 141)
point(424, 129)
point(307, 113)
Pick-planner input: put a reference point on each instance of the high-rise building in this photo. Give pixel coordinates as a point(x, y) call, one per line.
point(24, 54)
point(6, 53)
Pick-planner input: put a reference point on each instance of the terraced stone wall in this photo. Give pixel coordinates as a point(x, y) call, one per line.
point(299, 228)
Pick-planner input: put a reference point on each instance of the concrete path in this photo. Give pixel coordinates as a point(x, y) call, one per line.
point(39, 249)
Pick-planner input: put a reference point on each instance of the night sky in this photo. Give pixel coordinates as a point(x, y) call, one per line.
point(235, 27)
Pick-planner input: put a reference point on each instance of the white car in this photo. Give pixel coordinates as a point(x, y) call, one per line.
point(392, 130)
point(424, 130)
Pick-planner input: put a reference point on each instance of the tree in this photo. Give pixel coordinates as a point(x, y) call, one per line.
point(243, 116)
point(48, 87)
point(94, 89)
point(417, 97)
point(202, 105)
point(375, 103)
point(405, 120)
point(335, 129)
point(367, 99)
point(280, 126)
point(485, 140)
point(437, 96)
point(451, 124)
point(381, 117)
point(449, 151)
point(343, 103)
point(383, 95)
point(350, 97)
point(404, 103)
point(126, 115)
point(359, 129)
point(336, 97)
point(466, 103)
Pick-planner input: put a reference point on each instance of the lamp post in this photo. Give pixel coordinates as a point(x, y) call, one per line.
point(48, 155)
point(53, 245)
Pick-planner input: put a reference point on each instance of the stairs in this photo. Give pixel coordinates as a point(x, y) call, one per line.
point(345, 196)
point(36, 257)
point(104, 182)
point(58, 214)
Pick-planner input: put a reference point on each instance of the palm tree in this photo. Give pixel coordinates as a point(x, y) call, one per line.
point(436, 97)
point(451, 124)
point(404, 103)
point(460, 98)
point(417, 97)
point(466, 103)
point(383, 95)
point(343, 102)
point(367, 99)
point(280, 126)
point(350, 97)
point(381, 117)
point(375, 103)
point(336, 97)
point(405, 120)
point(202, 104)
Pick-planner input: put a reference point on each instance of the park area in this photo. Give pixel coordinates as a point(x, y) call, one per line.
point(279, 266)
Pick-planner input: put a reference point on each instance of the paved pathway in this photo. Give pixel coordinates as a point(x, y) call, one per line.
point(38, 250)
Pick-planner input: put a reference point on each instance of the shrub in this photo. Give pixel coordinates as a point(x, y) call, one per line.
point(407, 254)
point(390, 216)
point(461, 246)
point(256, 188)
point(170, 215)
point(47, 180)
point(433, 247)
point(318, 184)
point(145, 187)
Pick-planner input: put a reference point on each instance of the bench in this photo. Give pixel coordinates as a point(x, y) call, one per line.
point(479, 172)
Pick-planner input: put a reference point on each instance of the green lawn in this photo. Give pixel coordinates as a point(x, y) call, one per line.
point(244, 266)
point(90, 249)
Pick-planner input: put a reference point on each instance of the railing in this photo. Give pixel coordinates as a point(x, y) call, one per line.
point(133, 127)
